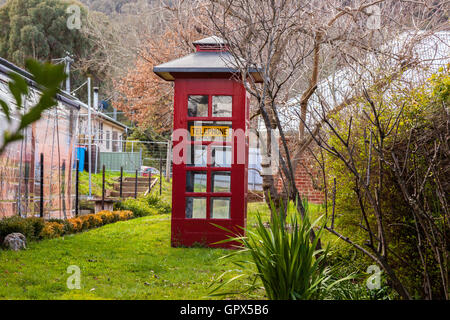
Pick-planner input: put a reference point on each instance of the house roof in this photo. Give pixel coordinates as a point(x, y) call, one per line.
point(213, 61)
point(103, 116)
point(6, 67)
point(213, 40)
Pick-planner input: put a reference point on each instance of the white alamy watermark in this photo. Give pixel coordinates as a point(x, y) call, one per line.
point(374, 281)
point(374, 19)
point(74, 20)
point(269, 148)
point(74, 280)
point(225, 146)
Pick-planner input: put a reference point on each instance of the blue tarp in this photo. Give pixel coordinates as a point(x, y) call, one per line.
point(80, 156)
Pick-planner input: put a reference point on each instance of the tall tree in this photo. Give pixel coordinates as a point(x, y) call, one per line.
point(143, 96)
point(295, 43)
point(38, 29)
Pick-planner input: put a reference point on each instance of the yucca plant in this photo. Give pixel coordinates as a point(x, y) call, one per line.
point(283, 259)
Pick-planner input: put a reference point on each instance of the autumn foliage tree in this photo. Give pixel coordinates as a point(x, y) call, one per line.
point(145, 98)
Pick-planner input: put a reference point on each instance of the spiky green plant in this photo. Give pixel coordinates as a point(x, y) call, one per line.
point(283, 259)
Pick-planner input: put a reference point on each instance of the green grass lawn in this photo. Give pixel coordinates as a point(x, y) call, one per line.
point(124, 260)
point(97, 179)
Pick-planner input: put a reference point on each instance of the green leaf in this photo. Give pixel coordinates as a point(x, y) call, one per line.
point(18, 87)
point(5, 109)
point(48, 77)
point(46, 74)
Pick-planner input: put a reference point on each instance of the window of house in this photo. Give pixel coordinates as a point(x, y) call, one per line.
point(108, 139)
point(101, 133)
point(115, 137)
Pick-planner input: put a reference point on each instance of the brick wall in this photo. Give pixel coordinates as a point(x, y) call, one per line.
point(306, 169)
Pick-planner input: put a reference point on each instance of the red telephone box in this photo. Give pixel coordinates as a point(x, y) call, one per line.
point(210, 144)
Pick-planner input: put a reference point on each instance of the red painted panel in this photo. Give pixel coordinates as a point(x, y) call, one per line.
point(187, 232)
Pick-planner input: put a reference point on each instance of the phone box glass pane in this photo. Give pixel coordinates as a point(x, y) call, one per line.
point(220, 208)
point(218, 131)
point(221, 181)
point(221, 156)
point(195, 208)
point(222, 106)
point(195, 181)
point(197, 106)
point(199, 156)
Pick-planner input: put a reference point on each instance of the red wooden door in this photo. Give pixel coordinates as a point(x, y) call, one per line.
point(210, 184)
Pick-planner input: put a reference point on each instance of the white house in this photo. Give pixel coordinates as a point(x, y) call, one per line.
point(108, 134)
point(430, 51)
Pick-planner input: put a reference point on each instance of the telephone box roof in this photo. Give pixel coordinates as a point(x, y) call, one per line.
point(210, 40)
point(211, 57)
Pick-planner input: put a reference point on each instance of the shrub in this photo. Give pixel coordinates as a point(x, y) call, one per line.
point(158, 203)
point(283, 259)
point(34, 228)
point(85, 224)
point(406, 174)
point(52, 230)
point(90, 221)
point(106, 216)
point(38, 225)
point(116, 216)
point(94, 220)
point(145, 206)
point(76, 225)
point(138, 207)
point(67, 227)
point(125, 215)
point(17, 224)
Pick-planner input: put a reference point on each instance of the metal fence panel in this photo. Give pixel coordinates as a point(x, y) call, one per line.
point(130, 161)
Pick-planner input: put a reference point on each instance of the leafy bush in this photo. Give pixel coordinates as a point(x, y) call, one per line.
point(139, 207)
point(37, 228)
point(158, 203)
point(52, 230)
point(145, 206)
point(95, 220)
point(37, 224)
point(76, 225)
point(283, 259)
point(116, 216)
point(106, 216)
point(398, 145)
point(20, 225)
point(125, 215)
point(85, 225)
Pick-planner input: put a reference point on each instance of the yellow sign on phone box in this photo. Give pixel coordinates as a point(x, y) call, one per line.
point(210, 131)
